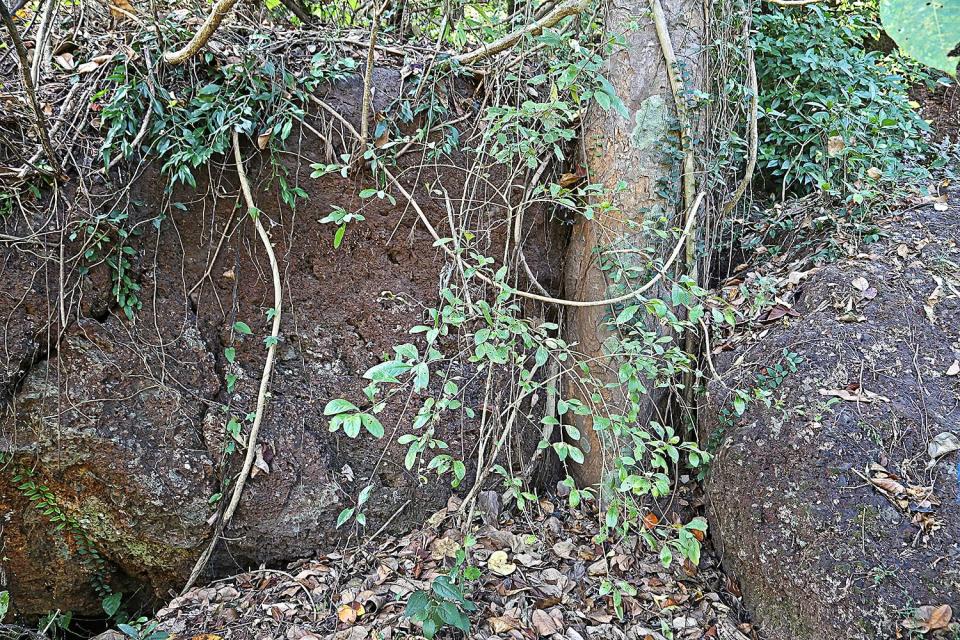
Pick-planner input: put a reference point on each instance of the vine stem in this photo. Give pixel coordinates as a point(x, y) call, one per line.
point(754, 137)
point(561, 11)
point(368, 80)
point(687, 177)
point(248, 459)
point(29, 86)
point(691, 217)
point(203, 34)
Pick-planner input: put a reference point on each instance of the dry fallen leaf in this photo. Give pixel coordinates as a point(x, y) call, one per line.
point(545, 624)
point(263, 140)
point(889, 485)
point(929, 618)
point(564, 549)
point(860, 284)
point(444, 548)
point(503, 624)
point(859, 395)
point(65, 60)
point(348, 613)
point(835, 145)
point(954, 368)
point(499, 564)
point(942, 444)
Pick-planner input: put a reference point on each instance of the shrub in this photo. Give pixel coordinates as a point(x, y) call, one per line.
point(835, 115)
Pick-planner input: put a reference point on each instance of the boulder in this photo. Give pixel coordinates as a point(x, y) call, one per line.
point(834, 502)
point(125, 420)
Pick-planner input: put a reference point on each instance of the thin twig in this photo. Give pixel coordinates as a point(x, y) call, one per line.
point(264, 378)
point(568, 8)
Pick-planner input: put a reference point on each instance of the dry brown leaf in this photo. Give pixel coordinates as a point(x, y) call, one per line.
point(65, 60)
point(503, 624)
point(874, 173)
point(859, 395)
point(565, 549)
point(444, 548)
point(929, 618)
point(88, 67)
point(259, 464)
point(122, 10)
point(942, 444)
point(889, 485)
point(499, 564)
point(545, 624)
point(348, 613)
point(263, 140)
point(835, 145)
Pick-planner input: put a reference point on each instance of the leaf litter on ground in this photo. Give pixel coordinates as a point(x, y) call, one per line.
point(541, 577)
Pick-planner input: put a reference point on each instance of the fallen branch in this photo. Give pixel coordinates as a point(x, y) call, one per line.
point(29, 87)
point(561, 11)
point(203, 34)
point(250, 456)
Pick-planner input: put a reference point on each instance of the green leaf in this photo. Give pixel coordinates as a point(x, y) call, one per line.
point(452, 615)
point(4, 604)
point(666, 556)
point(242, 327)
point(372, 425)
point(338, 236)
point(429, 628)
point(417, 604)
point(230, 354)
point(110, 604)
point(445, 589)
point(344, 516)
point(928, 31)
point(338, 405)
point(351, 425)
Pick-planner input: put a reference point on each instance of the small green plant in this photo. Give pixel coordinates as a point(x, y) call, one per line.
point(43, 500)
point(446, 603)
point(4, 604)
point(340, 217)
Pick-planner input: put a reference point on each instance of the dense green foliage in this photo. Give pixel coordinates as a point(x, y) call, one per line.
point(836, 115)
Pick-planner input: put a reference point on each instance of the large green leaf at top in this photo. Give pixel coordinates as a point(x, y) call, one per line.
point(927, 30)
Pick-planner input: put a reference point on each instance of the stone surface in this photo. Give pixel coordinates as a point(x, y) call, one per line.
point(818, 550)
point(125, 420)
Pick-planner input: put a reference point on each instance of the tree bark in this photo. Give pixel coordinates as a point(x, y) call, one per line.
point(631, 150)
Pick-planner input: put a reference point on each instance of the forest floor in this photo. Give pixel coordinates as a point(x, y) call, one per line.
point(547, 585)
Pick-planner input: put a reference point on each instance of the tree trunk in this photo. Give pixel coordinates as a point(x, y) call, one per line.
point(633, 152)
